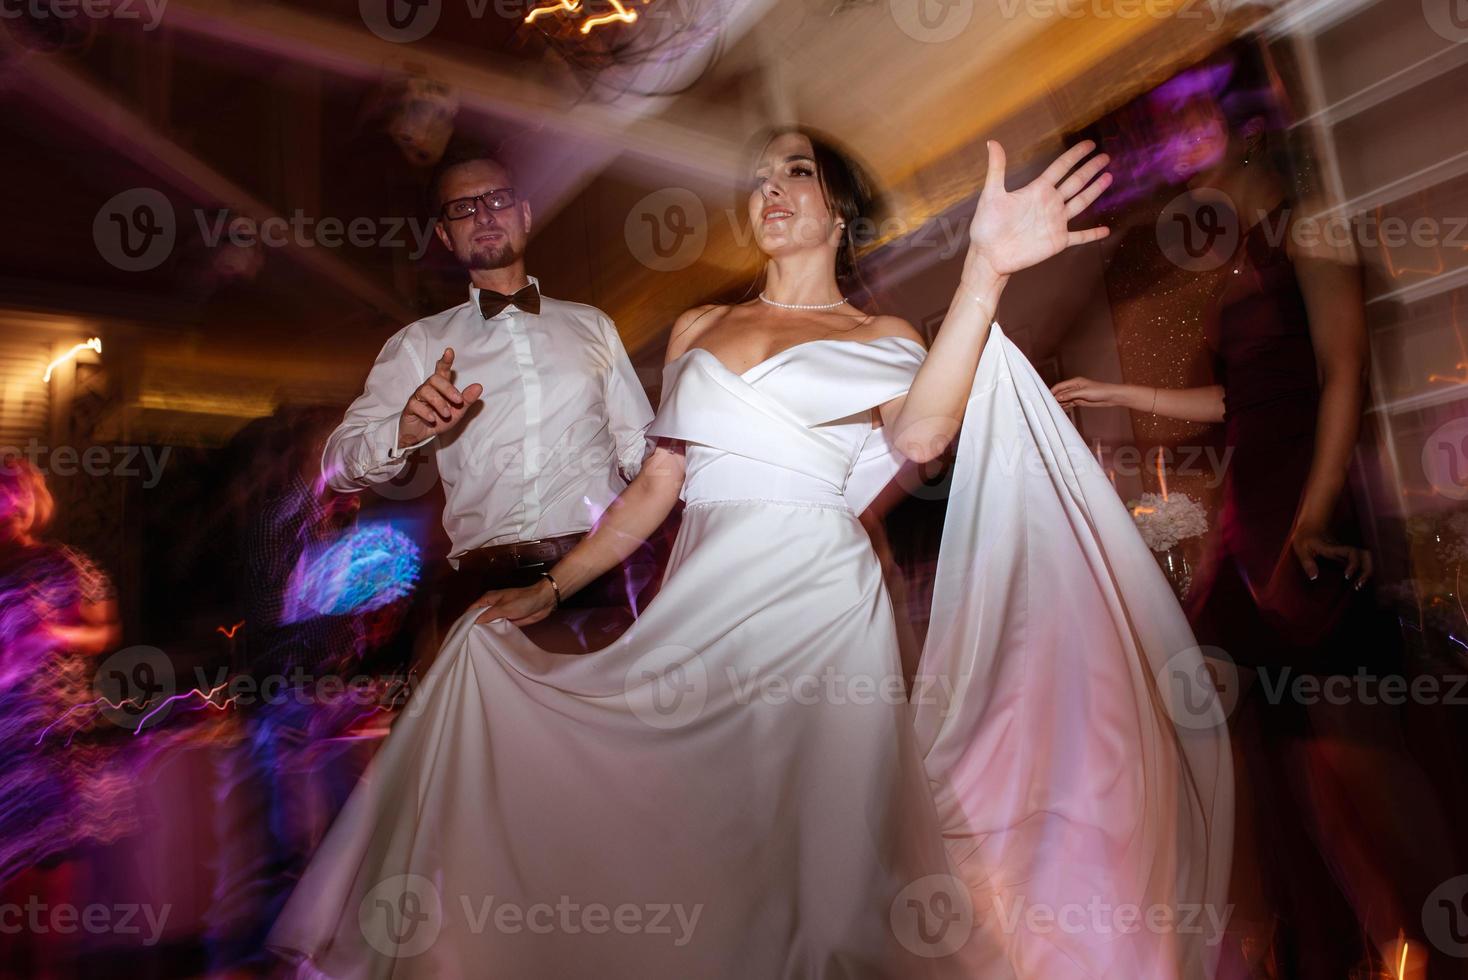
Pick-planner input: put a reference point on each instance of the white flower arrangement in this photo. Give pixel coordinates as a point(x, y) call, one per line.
point(1164, 521)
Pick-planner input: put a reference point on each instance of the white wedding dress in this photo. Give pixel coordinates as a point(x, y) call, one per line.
point(740, 788)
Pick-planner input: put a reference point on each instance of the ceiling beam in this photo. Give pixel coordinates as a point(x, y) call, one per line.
point(95, 111)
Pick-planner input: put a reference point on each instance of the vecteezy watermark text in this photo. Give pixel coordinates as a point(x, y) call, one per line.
point(39, 917)
point(1199, 230)
point(137, 230)
point(120, 461)
point(403, 916)
point(150, 12)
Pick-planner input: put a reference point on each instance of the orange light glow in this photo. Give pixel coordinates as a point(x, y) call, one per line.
point(94, 343)
point(620, 13)
point(230, 631)
point(1456, 379)
point(570, 6)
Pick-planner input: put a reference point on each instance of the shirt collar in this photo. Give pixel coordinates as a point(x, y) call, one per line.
point(474, 300)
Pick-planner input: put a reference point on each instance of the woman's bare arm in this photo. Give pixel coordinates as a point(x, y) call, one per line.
point(1010, 232)
point(1202, 404)
point(98, 632)
point(630, 521)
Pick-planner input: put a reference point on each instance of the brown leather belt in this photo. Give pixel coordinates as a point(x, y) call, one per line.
point(518, 554)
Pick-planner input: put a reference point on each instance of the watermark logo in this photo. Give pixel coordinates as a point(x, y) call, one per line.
point(932, 21)
point(1199, 687)
point(933, 916)
point(667, 687)
point(1213, 11)
point(1448, 18)
point(1099, 916)
point(932, 480)
point(1445, 916)
point(128, 462)
point(1198, 230)
point(52, 24)
point(414, 480)
point(41, 918)
point(400, 21)
point(667, 230)
point(136, 229)
point(401, 916)
point(1445, 459)
point(133, 687)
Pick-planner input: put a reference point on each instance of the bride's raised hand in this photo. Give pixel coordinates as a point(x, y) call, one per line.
point(1015, 230)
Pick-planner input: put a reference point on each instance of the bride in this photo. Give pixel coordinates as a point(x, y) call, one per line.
point(743, 786)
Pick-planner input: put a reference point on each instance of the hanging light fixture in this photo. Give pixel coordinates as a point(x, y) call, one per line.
point(94, 344)
point(629, 46)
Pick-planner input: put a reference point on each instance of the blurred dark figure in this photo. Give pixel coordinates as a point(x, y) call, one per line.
point(62, 786)
point(288, 509)
point(1282, 589)
point(281, 783)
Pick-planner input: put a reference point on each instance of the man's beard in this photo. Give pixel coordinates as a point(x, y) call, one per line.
point(492, 256)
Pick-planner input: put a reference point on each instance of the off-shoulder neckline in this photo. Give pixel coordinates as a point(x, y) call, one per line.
point(794, 347)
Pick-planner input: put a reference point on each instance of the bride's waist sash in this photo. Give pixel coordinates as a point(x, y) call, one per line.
point(714, 476)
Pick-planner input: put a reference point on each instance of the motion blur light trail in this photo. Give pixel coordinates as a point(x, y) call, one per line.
point(372, 566)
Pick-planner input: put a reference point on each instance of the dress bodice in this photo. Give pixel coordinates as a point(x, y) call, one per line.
point(796, 427)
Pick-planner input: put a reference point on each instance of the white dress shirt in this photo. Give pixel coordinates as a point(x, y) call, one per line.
point(562, 412)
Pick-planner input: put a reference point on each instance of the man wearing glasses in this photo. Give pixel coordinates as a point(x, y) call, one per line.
point(529, 404)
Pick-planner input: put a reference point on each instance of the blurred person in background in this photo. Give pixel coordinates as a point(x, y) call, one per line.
point(62, 786)
point(279, 784)
point(1282, 589)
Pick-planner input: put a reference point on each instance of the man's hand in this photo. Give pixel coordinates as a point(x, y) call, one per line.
point(435, 406)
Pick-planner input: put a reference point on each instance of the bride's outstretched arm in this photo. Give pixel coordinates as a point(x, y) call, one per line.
point(1010, 231)
point(631, 519)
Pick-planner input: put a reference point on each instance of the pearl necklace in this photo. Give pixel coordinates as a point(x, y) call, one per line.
point(802, 306)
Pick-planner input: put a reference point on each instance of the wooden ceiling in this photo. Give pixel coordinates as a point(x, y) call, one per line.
point(264, 107)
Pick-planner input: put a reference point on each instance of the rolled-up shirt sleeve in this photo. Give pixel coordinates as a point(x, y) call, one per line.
point(363, 451)
point(628, 411)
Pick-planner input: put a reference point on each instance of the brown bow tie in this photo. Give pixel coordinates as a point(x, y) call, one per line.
point(492, 303)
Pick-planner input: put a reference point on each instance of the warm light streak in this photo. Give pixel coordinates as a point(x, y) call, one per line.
point(1402, 961)
point(570, 6)
point(1458, 336)
point(621, 13)
point(207, 696)
point(93, 344)
point(1161, 475)
point(230, 631)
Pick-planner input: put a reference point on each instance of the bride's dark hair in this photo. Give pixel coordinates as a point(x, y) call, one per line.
point(850, 193)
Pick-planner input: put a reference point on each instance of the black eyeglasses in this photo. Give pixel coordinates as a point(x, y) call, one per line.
point(465, 207)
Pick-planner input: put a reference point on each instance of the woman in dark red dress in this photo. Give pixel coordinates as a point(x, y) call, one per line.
point(1282, 590)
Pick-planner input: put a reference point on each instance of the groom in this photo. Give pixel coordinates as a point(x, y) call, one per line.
point(529, 404)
